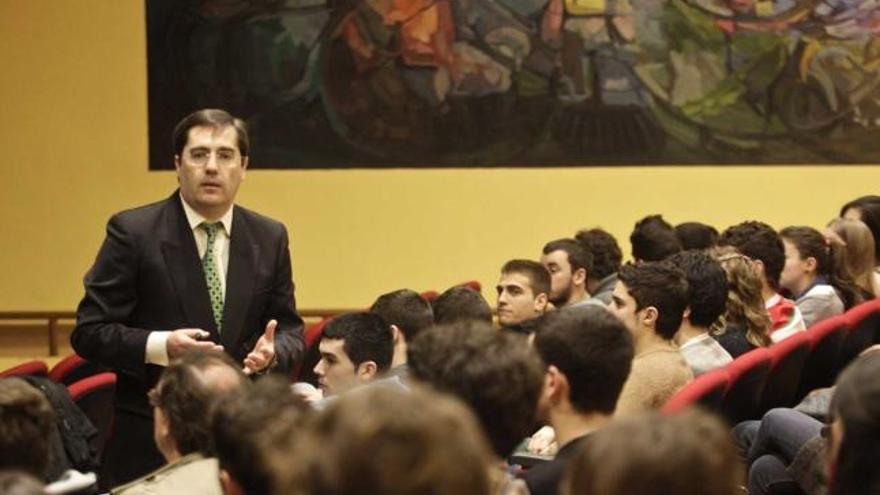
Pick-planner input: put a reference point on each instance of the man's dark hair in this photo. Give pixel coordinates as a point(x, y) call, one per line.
point(758, 241)
point(26, 423)
point(366, 336)
point(495, 373)
point(594, 351)
point(187, 398)
point(578, 256)
point(249, 428)
point(696, 235)
point(869, 212)
point(661, 285)
point(215, 119)
point(607, 256)
point(539, 277)
point(461, 304)
point(707, 286)
point(653, 239)
point(405, 309)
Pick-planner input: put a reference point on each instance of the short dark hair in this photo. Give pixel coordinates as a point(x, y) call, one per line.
point(696, 235)
point(495, 373)
point(578, 256)
point(653, 239)
point(661, 285)
point(26, 424)
point(607, 256)
point(366, 336)
point(250, 427)
point(539, 277)
point(405, 309)
point(188, 400)
point(215, 119)
point(869, 211)
point(461, 304)
point(758, 241)
point(707, 286)
point(593, 349)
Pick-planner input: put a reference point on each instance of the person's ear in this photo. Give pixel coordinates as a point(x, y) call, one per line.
point(229, 485)
point(650, 316)
point(811, 264)
point(579, 277)
point(396, 334)
point(541, 303)
point(686, 316)
point(245, 161)
point(367, 370)
point(556, 385)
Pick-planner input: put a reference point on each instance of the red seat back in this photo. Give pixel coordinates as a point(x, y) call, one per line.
point(430, 295)
point(472, 284)
point(748, 374)
point(706, 390)
point(788, 358)
point(73, 368)
point(863, 321)
point(94, 395)
point(311, 355)
point(826, 339)
point(33, 368)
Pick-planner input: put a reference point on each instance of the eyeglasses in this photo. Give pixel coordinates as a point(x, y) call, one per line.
point(222, 156)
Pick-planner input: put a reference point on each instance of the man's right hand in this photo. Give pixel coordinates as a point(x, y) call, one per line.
point(186, 339)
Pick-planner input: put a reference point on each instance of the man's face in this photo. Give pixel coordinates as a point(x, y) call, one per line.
point(336, 373)
point(210, 169)
point(623, 306)
point(560, 276)
point(516, 301)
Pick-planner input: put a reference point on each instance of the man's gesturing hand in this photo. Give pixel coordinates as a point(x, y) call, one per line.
point(264, 352)
point(184, 339)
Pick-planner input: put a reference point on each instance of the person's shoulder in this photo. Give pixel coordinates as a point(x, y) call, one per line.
point(257, 220)
point(140, 213)
point(193, 471)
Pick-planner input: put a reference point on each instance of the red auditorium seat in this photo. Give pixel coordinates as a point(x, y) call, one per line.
point(788, 359)
point(94, 395)
point(863, 321)
point(826, 339)
point(706, 390)
point(748, 374)
point(430, 295)
point(311, 355)
point(472, 284)
point(33, 368)
point(73, 369)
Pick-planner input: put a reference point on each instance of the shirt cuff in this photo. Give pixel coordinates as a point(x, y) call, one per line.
point(157, 349)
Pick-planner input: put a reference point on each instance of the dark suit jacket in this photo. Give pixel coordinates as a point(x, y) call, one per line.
point(148, 276)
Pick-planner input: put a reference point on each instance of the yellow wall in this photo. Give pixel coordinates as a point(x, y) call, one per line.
point(73, 139)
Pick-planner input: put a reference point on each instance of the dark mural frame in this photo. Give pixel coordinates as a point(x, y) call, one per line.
point(506, 83)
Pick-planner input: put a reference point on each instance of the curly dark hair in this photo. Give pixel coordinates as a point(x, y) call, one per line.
point(707, 286)
point(758, 241)
point(659, 284)
point(495, 373)
point(607, 256)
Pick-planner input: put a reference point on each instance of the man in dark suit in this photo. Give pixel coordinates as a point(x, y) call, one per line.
point(190, 272)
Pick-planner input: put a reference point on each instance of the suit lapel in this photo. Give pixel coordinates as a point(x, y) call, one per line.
point(185, 269)
point(243, 257)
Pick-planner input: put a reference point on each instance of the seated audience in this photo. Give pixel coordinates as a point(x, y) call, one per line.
point(355, 348)
point(696, 235)
point(496, 374)
point(588, 353)
point(408, 314)
point(523, 292)
point(251, 429)
point(852, 253)
point(686, 454)
point(461, 304)
point(183, 402)
point(746, 323)
point(569, 265)
point(707, 301)
point(379, 440)
point(653, 239)
point(650, 299)
point(819, 290)
point(866, 209)
point(760, 243)
point(607, 259)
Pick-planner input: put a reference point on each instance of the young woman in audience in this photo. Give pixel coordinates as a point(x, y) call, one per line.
point(819, 289)
point(866, 209)
point(853, 254)
point(745, 324)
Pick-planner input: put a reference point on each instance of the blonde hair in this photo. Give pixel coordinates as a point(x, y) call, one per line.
point(745, 303)
point(852, 250)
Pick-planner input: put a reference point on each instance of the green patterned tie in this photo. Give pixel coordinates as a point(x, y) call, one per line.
point(215, 289)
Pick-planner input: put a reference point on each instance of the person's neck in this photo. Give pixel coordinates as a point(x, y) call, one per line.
point(649, 340)
point(767, 292)
point(570, 424)
point(688, 331)
point(399, 356)
point(211, 214)
point(802, 285)
point(170, 453)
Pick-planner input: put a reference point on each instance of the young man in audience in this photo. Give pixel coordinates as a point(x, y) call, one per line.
point(653, 239)
point(607, 258)
point(569, 265)
point(252, 428)
point(498, 375)
point(461, 304)
point(523, 294)
point(763, 245)
point(26, 423)
point(696, 235)
point(588, 353)
point(407, 313)
point(707, 301)
point(183, 402)
point(650, 299)
point(355, 348)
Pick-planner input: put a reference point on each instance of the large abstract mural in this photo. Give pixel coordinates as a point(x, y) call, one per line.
point(487, 83)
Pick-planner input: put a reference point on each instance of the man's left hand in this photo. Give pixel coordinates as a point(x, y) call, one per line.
point(263, 354)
